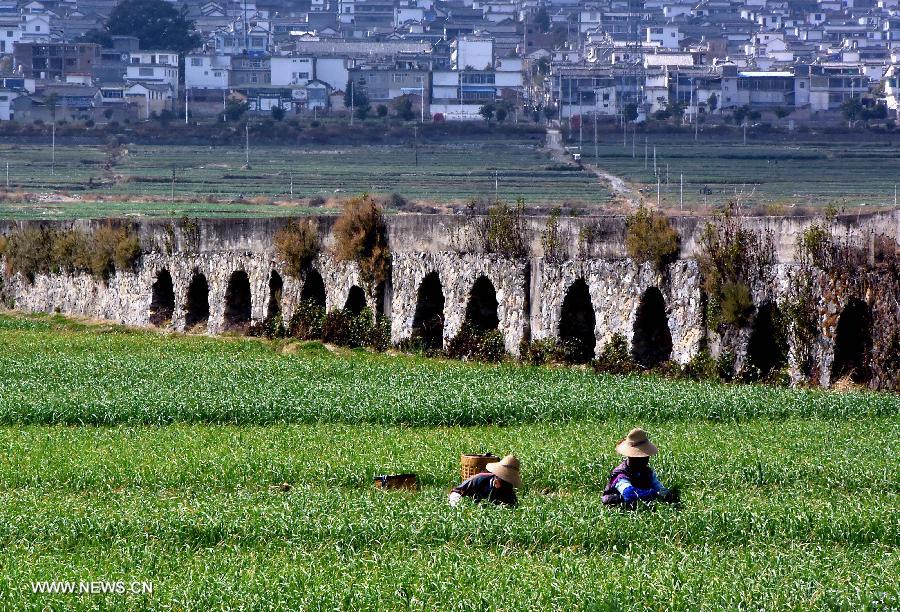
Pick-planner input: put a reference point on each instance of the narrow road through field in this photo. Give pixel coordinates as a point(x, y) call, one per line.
point(617, 184)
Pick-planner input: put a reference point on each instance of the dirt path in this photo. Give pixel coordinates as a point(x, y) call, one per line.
point(620, 189)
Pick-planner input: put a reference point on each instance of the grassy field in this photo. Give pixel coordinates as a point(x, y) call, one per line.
point(127, 455)
point(214, 178)
point(783, 174)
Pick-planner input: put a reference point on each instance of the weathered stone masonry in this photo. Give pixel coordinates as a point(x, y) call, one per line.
point(529, 293)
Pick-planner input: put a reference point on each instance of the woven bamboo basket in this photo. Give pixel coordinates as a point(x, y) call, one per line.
point(469, 465)
point(396, 481)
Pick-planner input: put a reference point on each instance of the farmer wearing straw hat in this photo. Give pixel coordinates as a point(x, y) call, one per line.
point(497, 485)
point(634, 479)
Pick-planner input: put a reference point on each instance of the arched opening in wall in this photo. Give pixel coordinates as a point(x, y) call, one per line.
point(237, 301)
point(767, 348)
point(853, 343)
point(652, 342)
point(196, 308)
point(313, 291)
point(481, 311)
point(356, 300)
point(276, 287)
point(428, 321)
point(162, 299)
point(577, 323)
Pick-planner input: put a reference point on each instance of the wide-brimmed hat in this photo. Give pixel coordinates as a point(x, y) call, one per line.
point(636, 444)
point(507, 469)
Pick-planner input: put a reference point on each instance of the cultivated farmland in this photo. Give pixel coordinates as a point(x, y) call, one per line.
point(212, 181)
point(128, 455)
point(781, 174)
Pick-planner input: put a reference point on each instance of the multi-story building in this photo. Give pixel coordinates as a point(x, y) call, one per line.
point(153, 68)
point(55, 60)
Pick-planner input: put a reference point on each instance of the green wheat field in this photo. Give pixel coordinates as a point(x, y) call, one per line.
point(136, 456)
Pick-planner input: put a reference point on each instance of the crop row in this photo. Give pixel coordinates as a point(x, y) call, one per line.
point(359, 520)
point(799, 455)
point(116, 376)
point(273, 575)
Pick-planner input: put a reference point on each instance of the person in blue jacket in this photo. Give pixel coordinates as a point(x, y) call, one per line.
point(634, 479)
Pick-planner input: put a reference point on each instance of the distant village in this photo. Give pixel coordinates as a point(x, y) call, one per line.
point(826, 61)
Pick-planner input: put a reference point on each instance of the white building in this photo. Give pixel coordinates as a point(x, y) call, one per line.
point(153, 68)
point(207, 71)
point(289, 70)
point(471, 53)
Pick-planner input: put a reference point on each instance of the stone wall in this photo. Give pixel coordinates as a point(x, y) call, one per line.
point(530, 293)
point(616, 288)
point(457, 273)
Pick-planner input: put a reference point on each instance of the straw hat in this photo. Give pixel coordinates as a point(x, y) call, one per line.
point(507, 469)
point(636, 444)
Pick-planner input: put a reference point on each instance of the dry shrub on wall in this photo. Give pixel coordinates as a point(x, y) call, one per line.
point(3, 242)
point(112, 248)
point(33, 251)
point(732, 256)
point(649, 236)
point(502, 230)
point(297, 245)
point(28, 251)
point(360, 235)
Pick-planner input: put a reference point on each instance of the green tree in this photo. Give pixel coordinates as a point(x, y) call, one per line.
point(630, 112)
point(362, 111)
point(712, 102)
point(359, 97)
point(852, 109)
point(403, 106)
point(487, 111)
point(235, 109)
point(501, 114)
point(381, 110)
point(157, 23)
point(278, 113)
point(740, 114)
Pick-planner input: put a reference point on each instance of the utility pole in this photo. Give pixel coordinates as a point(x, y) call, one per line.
point(247, 145)
point(624, 131)
point(654, 161)
point(681, 193)
point(7, 184)
point(53, 149)
point(351, 101)
point(645, 152)
point(292, 185)
point(186, 96)
point(745, 132)
point(496, 185)
point(172, 196)
point(596, 151)
point(580, 130)
point(658, 185)
point(416, 142)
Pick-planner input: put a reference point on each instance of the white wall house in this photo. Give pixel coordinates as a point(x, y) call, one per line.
point(472, 53)
point(207, 71)
point(153, 68)
point(292, 70)
point(10, 33)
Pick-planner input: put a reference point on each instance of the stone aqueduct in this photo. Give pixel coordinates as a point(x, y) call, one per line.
point(224, 273)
